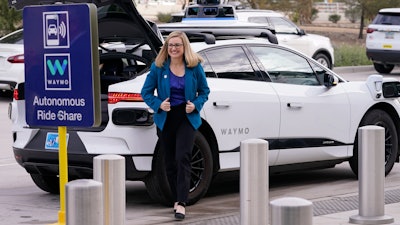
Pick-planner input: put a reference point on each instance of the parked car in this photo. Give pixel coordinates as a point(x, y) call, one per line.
point(309, 115)
point(128, 45)
point(11, 60)
point(316, 46)
point(382, 42)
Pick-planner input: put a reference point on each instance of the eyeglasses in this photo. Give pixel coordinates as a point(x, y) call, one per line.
point(177, 45)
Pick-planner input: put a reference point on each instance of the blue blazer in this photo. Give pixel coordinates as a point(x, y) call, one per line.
point(196, 90)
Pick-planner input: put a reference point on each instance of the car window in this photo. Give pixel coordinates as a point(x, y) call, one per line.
point(260, 19)
point(229, 63)
point(283, 26)
point(193, 11)
point(16, 38)
point(387, 19)
point(285, 67)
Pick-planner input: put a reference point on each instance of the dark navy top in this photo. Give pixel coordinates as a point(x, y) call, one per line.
point(177, 90)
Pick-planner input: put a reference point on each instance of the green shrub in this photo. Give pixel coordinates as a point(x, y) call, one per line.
point(334, 18)
point(314, 14)
point(164, 17)
point(350, 55)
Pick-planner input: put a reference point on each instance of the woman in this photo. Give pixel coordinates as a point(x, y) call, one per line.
point(182, 90)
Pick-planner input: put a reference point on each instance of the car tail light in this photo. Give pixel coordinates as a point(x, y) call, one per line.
point(15, 94)
point(16, 59)
point(115, 97)
point(370, 30)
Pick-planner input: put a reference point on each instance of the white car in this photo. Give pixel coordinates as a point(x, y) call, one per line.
point(11, 60)
point(309, 115)
point(315, 46)
point(382, 42)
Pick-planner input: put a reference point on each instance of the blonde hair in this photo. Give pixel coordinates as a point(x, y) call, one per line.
point(191, 57)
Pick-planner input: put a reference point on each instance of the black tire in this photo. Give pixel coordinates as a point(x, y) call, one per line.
point(49, 184)
point(323, 59)
point(385, 69)
point(379, 118)
point(201, 175)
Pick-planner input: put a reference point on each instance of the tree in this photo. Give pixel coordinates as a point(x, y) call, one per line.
point(303, 9)
point(369, 8)
point(353, 14)
point(10, 19)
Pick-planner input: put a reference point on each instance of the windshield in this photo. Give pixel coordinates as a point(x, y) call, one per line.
point(15, 38)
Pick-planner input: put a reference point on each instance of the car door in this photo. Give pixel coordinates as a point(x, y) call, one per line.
point(241, 104)
point(289, 34)
point(315, 119)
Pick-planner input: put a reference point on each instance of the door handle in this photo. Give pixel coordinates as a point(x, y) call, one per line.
point(294, 105)
point(221, 104)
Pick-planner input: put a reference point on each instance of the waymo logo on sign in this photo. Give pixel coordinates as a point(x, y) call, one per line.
point(57, 72)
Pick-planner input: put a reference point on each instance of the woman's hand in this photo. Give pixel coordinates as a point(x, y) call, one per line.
point(165, 105)
point(189, 107)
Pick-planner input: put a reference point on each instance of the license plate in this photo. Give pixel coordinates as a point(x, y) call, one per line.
point(389, 35)
point(52, 141)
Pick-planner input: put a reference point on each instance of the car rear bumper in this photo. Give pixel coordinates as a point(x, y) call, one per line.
point(80, 166)
point(384, 56)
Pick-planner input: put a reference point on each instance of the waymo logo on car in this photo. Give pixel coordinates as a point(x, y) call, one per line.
point(57, 72)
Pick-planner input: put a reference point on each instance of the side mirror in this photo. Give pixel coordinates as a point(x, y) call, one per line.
point(302, 32)
point(330, 80)
point(391, 89)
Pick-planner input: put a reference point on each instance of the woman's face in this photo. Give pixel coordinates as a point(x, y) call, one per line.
point(175, 47)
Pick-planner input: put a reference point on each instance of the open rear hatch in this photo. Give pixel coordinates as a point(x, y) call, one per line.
point(128, 45)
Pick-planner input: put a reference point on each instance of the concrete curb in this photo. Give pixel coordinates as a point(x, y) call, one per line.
point(352, 69)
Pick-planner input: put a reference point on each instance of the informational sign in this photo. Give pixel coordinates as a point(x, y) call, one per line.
point(62, 84)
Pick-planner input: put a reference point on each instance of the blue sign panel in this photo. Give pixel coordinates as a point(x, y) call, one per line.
point(61, 65)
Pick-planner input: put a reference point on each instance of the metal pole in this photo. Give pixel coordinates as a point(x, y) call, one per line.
point(291, 211)
point(371, 176)
point(110, 170)
point(254, 182)
point(84, 202)
point(63, 171)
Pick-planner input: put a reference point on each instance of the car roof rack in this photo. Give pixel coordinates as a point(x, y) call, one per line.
point(209, 35)
point(195, 36)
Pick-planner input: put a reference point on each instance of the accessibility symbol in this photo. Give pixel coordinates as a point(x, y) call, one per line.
point(57, 72)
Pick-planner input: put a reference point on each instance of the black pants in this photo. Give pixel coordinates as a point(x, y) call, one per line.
point(177, 140)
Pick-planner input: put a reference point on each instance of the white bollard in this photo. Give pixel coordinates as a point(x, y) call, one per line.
point(291, 211)
point(110, 170)
point(84, 202)
point(254, 182)
point(371, 177)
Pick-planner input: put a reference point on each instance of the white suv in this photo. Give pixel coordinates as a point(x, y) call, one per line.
point(308, 114)
point(382, 43)
point(316, 46)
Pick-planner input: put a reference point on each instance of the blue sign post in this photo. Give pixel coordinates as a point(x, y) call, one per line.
point(61, 65)
point(62, 84)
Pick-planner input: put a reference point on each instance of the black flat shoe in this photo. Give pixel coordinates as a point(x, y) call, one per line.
point(180, 211)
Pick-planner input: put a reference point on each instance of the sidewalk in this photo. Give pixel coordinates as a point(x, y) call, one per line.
point(392, 210)
point(331, 211)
